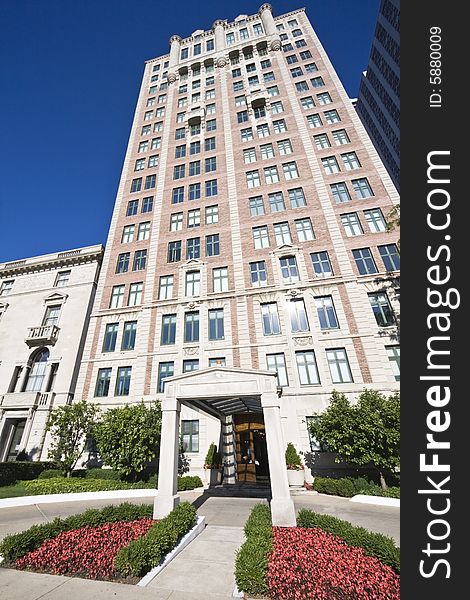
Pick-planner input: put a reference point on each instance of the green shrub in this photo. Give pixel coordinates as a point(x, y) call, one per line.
point(189, 482)
point(17, 545)
point(251, 563)
point(141, 555)
point(50, 474)
point(349, 486)
point(292, 457)
point(108, 474)
point(11, 472)
point(212, 457)
point(374, 544)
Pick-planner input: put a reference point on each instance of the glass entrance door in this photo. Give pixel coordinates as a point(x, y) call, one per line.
point(251, 449)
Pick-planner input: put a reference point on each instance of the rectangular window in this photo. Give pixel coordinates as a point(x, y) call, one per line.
point(194, 218)
point(102, 383)
point(393, 353)
point(317, 82)
point(210, 164)
point(282, 233)
point(260, 237)
point(267, 151)
point(166, 287)
point(117, 296)
point(298, 315)
point(253, 80)
point(195, 168)
point(351, 224)
point(240, 101)
point(156, 144)
point(350, 161)
point(132, 208)
point(277, 107)
point(135, 294)
point(140, 260)
point(136, 185)
point(61, 279)
point(330, 164)
point(340, 192)
point(193, 248)
point(341, 137)
point(176, 222)
point(110, 337)
point(322, 141)
point(249, 155)
point(276, 202)
point(211, 125)
point(301, 86)
point(364, 261)
point(297, 198)
point(190, 434)
point(258, 274)
point(390, 257)
point(326, 312)
point(150, 182)
point(177, 195)
point(314, 121)
point(212, 245)
point(279, 126)
point(339, 365)
point(259, 112)
point(307, 102)
point(191, 326)
point(147, 204)
point(146, 129)
point(174, 251)
point(220, 279)
point(296, 72)
point(184, 53)
point(143, 147)
point(190, 365)
point(270, 319)
point(375, 219)
point(211, 188)
point(194, 148)
point(153, 161)
point(247, 134)
point(304, 229)
point(321, 264)
point(180, 151)
point(180, 133)
point(277, 363)
point(194, 191)
point(307, 368)
point(209, 144)
point(143, 232)
point(128, 336)
point(253, 179)
point(212, 215)
point(271, 175)
point(179, 171)
point(244, 35)
point(242, 116)
point(362, 188)
point(289, 269)
point(123, 381)
point(165, 370)
point(311, 67)
point(216, 324)
point(332, 116)
point(291, 59)
point(262, 130)
point(273, 90)
point(168, 336)
point(122, 265)
point(382, 309)
point(197, 49)
point(290, 170)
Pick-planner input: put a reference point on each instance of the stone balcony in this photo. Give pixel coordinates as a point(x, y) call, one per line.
point(42, 335)
point(26, 400)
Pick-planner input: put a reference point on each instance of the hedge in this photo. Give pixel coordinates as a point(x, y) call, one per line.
point(146, 552)
point(373, 544)
point(251, 563)
point(349, 486)
point(11, 472)
point(17, 545)
point(108, 474)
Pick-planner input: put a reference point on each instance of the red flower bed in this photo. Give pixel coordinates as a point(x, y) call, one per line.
point(315, 565)
point(88, 551)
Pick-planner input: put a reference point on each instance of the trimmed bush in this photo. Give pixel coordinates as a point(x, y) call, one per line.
point(251, 563)
point(108, 474)
point(373, 544)
point(189, 482)
point(146, 552)
point(17, 545)
point(349, 486)
point(63, 485)
point(50, 474)
point(11, 472)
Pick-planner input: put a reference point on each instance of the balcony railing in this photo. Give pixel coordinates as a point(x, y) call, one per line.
point(44, 334)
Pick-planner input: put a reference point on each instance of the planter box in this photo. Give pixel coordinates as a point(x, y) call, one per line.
point(296, 478)
point(213, 476)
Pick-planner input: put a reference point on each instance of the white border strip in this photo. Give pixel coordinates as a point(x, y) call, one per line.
point(378, 500)
point(185, 540)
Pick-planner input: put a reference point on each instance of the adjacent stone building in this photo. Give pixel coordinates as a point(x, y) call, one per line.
point(45, 303)
point(249, 234)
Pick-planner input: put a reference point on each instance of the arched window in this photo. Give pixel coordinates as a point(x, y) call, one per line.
point(37, 371)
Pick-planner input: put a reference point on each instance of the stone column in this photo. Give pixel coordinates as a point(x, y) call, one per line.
point(175, 44)
point(266, 14)
point(167, 498)
point(282, 507)
point(228, 451)
point(219, 32)
point(22, 379)
point(47, 377)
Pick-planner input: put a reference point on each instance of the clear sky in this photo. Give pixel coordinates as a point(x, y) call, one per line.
point(70, 74)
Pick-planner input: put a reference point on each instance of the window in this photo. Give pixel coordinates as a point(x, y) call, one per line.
point(260, 237)
point(191, 326)
point(341, 137)
point(216, 324)
point(132, 207)
point(153, 161)
point(375, 219)
point(211, 164)
point(136, 185)
point(297, 198)
point(180, 133)
point(273, 90)
point(317, 82)
point(147, 204)
point(210, 109)
point(321, 264)
point(145, 130)
point(350, 161)
point(267, 151)
point(143, 147)
point(180, 151)
point(351, 224)
point(220, 279)
point(393, 353)
point(211, 125)
point(340, 192)
point(197, 49)
point(184, 53)
point(251, 68)
point(291, 59)
point(276, 202)
point(190, 434)
point(110, 337)
point(322, 141)
point(258, 29)
point(166, 287)
point(165, 370)
point(194, 148)
point(330, 164)
point(179, 171)
point(390, 257)
point(253, 179)
point(177, 195)
point(143, 231)
point(212, 215)
point(364, 261)
point(194, 191)
point(279, 126)
point(123, 381)
point(102, 383)
point(258, 274)
point(301, 86)
point(307, 368)
point(212, 245)
point(150, 181)
point(244, 35)
point(195, 168)
point(296, 72)
point(135, 294)
point(148, 115)
point(117, 296)
point(168, 336)
point(242, 116)
point(62, 278)
point(194, 218)
point(193, 248)
point(282, 234)
point(237, 86)
point(339, 366)
point(211, 188)
point(210, 81)
point(332, 116)
point(176, 222)
point(236, 72)
point(209, 144)
point(270, 318)
point(210, 95)
point(51, 316)
point(290, 170)
point(249, 155)
point(298, 315)
point(182, 102)
point(262, 130)
point(190, 365)
point(304, 230)
point(174, 251)
point(307, 102)
point(259, 112)
point(326, 312)
point(286, 47)
point(277, 363)
point(158, 126)
point(122, 265)
point(314, 121)
point(266, 64)
point(240, 101)
point(140, 260)
point(289, 269)
point(382, 310)
point(247, 134)
point(315, 445)
point(128, 336)
point(311, 68)
point(271, 175)
point(362, 188)
point(156, 143)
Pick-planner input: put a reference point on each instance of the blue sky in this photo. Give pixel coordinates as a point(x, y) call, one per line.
point(71, 73)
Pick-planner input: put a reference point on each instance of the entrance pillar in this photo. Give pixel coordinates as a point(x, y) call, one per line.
point(228, 451)
point(167, 498)
point(282, 506)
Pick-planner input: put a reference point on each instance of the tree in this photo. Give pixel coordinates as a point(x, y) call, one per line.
point(70, 426)
point(362, 434)
point(128, 437)
point(393, 220)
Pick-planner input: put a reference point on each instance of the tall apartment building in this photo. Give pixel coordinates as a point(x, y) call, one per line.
point(248, 235)
point(378, 103)
point(45, 303)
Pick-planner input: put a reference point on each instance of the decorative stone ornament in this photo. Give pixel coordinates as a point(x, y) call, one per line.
point(221, 62)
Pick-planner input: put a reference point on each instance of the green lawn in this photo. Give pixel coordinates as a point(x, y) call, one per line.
point(13, 491)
